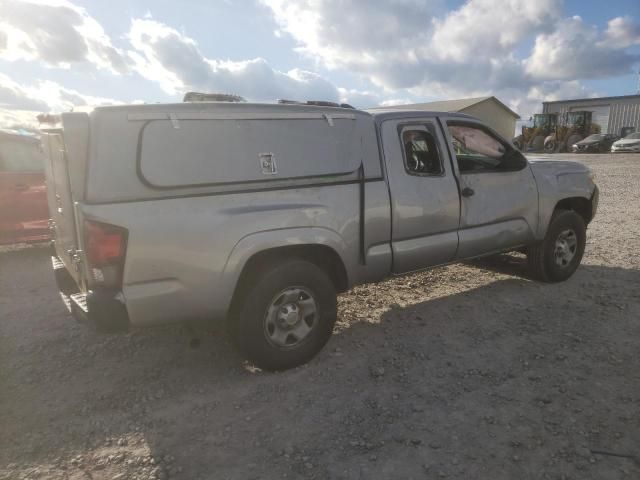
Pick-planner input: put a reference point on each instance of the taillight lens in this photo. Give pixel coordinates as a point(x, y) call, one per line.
point(105, 246)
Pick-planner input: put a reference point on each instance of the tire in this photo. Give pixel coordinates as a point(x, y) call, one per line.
point(518, 142)
point(537, 143)
point(284, 317)
point(544, 264)
point(550, 146)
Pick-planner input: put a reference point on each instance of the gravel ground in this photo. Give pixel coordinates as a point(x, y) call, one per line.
point(467, 371)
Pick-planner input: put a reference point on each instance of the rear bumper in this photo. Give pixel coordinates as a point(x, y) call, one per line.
point(102, 309)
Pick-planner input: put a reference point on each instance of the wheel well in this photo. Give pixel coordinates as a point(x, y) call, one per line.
point(324, 257)
point(580, 205)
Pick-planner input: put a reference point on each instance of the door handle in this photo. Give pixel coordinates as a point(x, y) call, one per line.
point(467, 192)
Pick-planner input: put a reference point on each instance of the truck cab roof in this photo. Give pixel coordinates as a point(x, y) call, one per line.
point(381, 113)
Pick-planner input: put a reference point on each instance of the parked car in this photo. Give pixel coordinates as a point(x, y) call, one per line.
point(630, 143)
point(260, 214)
point(24, 213)
point(595, 143)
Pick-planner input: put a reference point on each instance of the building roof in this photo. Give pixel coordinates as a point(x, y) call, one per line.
point(458, 105)
point(619, 97)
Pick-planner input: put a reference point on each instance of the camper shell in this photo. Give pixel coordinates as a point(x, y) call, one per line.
point(195, 148)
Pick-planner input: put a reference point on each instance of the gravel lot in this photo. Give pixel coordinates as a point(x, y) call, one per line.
point(467, 371)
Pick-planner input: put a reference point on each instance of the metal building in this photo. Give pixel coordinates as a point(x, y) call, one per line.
point(611, 113)
point(488, 109)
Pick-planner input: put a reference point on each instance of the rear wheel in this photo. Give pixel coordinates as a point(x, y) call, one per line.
point(537, 143)
point(558, 256)
point(284, 318)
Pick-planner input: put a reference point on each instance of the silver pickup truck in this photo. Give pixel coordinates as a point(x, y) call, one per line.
point(260, 214)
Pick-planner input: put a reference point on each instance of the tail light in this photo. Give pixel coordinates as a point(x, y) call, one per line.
point(105, 246)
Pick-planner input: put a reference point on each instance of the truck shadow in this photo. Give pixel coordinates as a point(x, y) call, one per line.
point(450, 366)
point(513, 264)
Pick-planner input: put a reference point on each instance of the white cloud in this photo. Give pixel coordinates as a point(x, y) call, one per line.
point(577, 50)
point(162, 54)
point(488, 29)
point(530, 102)
point(56, 32)
point(18, 119)
point(621, 32)
point(15, 96)
point(409, 43)
point(356, 34)
point(479, 48)
point(361, 98)
point(21, 103)
point(405, 50)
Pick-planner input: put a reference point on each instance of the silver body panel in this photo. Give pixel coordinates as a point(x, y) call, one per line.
point(185, 255)
point(61, 203)
point(557, 180)
point(188, 241)
point(425, 209)
point(502, 213)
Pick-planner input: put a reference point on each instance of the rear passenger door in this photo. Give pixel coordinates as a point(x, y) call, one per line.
point(499, 196)
point(424, 194)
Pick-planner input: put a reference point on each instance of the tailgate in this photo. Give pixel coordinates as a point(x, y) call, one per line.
point(66, 151)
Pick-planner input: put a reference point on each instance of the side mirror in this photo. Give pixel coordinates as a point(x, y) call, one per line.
point(513, 159)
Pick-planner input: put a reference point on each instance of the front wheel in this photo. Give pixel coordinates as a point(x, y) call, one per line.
point(284, 318)
point(550, 146)
point(558, 256)
point(518, 142)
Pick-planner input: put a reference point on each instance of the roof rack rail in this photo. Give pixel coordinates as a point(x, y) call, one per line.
point(315, 103)
point(212, 97)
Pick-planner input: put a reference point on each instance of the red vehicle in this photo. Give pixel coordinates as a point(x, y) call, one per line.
point(24, 212)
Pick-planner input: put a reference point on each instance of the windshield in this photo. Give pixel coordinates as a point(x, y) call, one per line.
point(633, 135)
point(543, 120)
point(593, 138)
point(576, 118)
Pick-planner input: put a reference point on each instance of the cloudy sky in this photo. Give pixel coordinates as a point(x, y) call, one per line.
point(56, 55)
